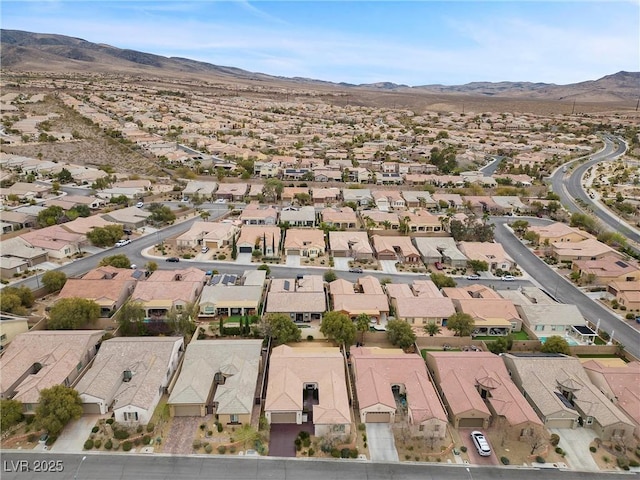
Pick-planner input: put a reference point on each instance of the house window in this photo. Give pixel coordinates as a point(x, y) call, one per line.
point(178, 307)
point(514, 325)
point(79, 367)
point(589, 421)
point(421, 428)
point(539, 328)
point(234, 418)
point(130, 416)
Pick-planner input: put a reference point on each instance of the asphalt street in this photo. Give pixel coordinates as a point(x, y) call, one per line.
point(157, 467)
point(563, 289)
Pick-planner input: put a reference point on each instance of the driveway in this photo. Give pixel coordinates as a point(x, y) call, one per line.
point(382, 446)
point(179, 440)
point(341, 263)
point(72, 438)
point(576, 443)
point(388, 266)
point(293, 260)
point(472, 452)
point(244, 259)
point(282, 437)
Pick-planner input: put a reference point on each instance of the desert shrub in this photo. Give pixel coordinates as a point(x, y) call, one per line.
point(555, 439)
point(630, 316)
point(95, 429)
point(222, 449)
point(139, 429)
point(88, 445)
point(298, 444)
point(618, 448)
point(137, 442)
point(222, 256)
point(232, 449)
point(353, 453)
point(109, 421)
point(32, 438)
point(634, 463)
point(121, 434)
point(592, 449)
point(623, 462)
point(197, 444)
point(150, 427)
point(209, 433)
point(146, 440)
point(219, 427)
point(505, 460)
point(335, 453)
point(407, 457)
point(311, 452)
point(463, 449)
point(539, 459)
point(208, 448)
point(126, 446)
point(97, 443)
point(345, 453)
point(559, 451)
point(203, 426)
point(606, 459)
point(306, 442)
point(108, 445)
point(362, 427)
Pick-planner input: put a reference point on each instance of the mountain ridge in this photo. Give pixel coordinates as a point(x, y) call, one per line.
point(28, 51)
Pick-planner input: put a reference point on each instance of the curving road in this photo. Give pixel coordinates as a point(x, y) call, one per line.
point(569, 187)
point(563, 289)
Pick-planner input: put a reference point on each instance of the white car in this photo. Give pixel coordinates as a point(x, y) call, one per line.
point(122, 243)
point(220, 200)
point(481, 443)
point(140, 204)
point(473, 276)
point(508, 278)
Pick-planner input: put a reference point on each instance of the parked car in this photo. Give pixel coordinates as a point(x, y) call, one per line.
point(204, 249)
point(508, 278)
point(173, 259)
point(122, 243)
point(439, 266)
point(481, 443)
point(220, 200)
point(473, 276)
point(356, 270)
point(140, 204)
point(127, 231)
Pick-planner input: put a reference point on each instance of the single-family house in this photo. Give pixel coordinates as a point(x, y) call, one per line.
point(324, 197)
point(229, 295)
point(559, 232)
point(10, 326)
point(302, 298)
point(350, 244)
point(342, 218)
point(209, 234)
point(395, 248)
point(366, 296)
point(560, 392)
point(298, 216)
point(233, 192)
point(606, 269)
point(589, 249)
point(419, 304)
point(220, 378)
point(478, 392)
point(546, 320)
point(360, 196)
point(309, 385)
point(200, 189)
point(255, 214)
point(265, 238)
point(626, 293)
point(490, 252)
point(129, 376)
point(491, 316)
point(440, 250)
point(387, 378)
point(306, 242)
point(58, 242)
point(129, 217)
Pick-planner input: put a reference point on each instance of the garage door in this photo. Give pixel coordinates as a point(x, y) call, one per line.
point(246, 250)
point(289, 417)
point(559, 423)
point(293, 251)
point(91, 408)
point(378, 417)
point(186, 411)
point(471, 423)
point(340, 253)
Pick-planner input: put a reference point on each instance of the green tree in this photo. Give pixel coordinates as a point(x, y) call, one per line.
point(501, 344)
point(362, 325)
point(338, 327)
point(441, 280)
point(432, 329)
point(119, 261)
point(58, 406)
point(64, 176)
point(50, 216)
point(151, 266)
point(555, 344)
point(130, 319)
point(10, 303)
point(105, 236)
point(55, 188)
point(532, 237)
point(161, 213)
point(266, 268)
point(330, 276)
point(272, 189)
point(24, 294)
point(181, 322)
point(478, 265)
point(400, 334)
point(54, 280)
point(461, 323)
point(72, 313)
point(10, 414)
point(81, 211)
point(280, 328)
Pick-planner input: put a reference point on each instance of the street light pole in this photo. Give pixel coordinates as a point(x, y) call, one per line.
point(75, 475)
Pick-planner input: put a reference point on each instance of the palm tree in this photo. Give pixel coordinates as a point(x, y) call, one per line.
point(432, 329)
point(362, 325)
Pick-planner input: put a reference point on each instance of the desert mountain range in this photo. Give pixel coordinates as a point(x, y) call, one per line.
point(36, 52)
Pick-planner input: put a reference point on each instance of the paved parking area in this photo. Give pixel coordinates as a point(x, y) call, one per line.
point(341, 263)
point(382, 446)
point(282, 437)
point(388, 266)
point(576, 443)
point(474, 456)
point(72, 438)
point(243, 259)
point(293, 260)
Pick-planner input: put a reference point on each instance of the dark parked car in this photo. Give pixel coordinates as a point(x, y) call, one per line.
point(173, 259)
point(355, 270)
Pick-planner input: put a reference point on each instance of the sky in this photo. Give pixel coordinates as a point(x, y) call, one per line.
point(406, 42)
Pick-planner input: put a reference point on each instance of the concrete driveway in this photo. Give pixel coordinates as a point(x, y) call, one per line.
point(293, 260)
point(243, 259)
point(388, 266)
point(382, 446)
point(341, 263)
point(282, 437)
point(472, 452)
point(576, 443)
point(72, 438)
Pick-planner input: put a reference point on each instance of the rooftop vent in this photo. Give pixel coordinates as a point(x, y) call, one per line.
point(126, 376)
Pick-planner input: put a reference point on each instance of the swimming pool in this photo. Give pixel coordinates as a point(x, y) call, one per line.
point(570, 341)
